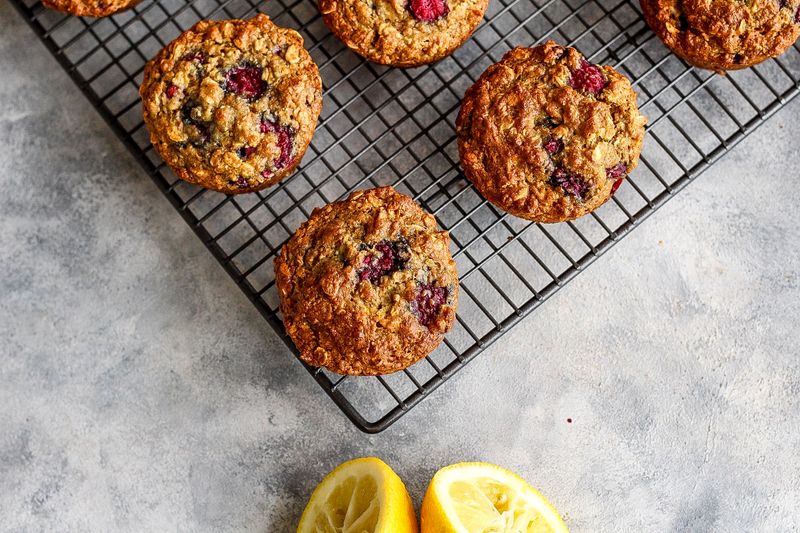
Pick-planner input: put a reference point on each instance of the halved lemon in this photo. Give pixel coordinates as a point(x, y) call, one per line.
point(359, 496)
point(485, 498)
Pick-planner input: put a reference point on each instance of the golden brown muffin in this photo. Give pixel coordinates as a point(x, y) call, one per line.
point(90, 8)
point(367, 285)
point(403, 33)
point(232, 105)
point(548, 136)
point(724, 34)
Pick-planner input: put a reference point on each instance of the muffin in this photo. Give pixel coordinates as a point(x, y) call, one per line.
point(232, 105)
point(367, 285)
point(403, 33)
point(548, 136)
point(724, 34)
point(89, 8)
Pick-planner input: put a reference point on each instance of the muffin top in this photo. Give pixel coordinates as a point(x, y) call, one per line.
point(232, 105)
point(403, 33)
point(548, 136)
point(89, 8)
point(725, 34)
point(367, 285)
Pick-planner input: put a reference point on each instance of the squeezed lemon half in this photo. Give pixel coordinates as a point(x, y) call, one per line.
point(485, 498)
point(359, 496)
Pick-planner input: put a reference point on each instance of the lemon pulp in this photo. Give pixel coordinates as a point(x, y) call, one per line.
point(484, 498)
point(359, 496)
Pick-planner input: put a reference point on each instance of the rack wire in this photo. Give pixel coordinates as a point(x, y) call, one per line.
point(382, 126)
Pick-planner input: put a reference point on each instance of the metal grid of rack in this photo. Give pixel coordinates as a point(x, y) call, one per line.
point(383, 126)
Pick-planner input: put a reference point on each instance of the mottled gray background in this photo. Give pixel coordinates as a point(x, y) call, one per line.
point(139, 389)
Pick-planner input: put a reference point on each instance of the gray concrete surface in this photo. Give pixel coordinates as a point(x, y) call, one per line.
point(140, 391)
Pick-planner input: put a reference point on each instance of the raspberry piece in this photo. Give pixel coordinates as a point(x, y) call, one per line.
point(571, 183)
point(797, 16)
point(588, 78)
point(171, 91)
point(390, 257)
point(242, 183)
point(554, 146)
point(427, 10)
point(246, 151)
point(268, 126)
point(197, 57)
point(428, 301)
point(245, 81)
point(285, 136)
point(285, 140)
point(618, 170)
point(616, 185)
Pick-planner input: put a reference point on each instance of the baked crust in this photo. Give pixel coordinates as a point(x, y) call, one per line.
point(547, 136)
point(358, 283)
point(232, 105)
point(724, 34)
point(386, 32)
point(90, 8)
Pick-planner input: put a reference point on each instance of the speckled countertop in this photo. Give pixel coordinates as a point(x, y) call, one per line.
point(140, 390)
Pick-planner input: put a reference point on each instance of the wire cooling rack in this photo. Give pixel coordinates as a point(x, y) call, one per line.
point(384, 126)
